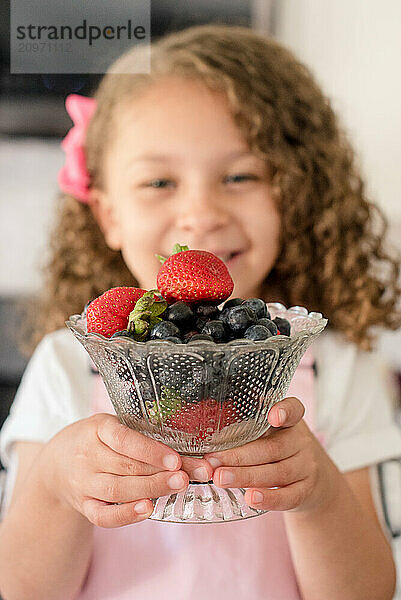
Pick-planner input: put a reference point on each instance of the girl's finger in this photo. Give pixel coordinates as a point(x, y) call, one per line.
point(286, 413)
point(133, 444)
point(103, 514)
point(119, 464)
point(281, 473)
point(271, 447)
point(198, 469)
point(114, 488)
point(285, 498)
point(109, 461)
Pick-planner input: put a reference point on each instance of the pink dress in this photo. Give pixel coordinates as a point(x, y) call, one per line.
point(239, 560)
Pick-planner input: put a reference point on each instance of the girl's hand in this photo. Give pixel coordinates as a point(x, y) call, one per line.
point(284, 469)
point(108, 472)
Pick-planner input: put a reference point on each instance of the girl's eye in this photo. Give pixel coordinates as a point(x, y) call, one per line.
point(159, 183)
point(240, 178)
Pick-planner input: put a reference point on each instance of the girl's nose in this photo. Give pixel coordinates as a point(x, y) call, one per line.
point(200, 212)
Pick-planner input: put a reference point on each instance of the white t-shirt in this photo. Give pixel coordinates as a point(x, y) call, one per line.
point(354, 404)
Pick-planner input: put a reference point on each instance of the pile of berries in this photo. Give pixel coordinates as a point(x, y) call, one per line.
point(185, 307)
point(182, 322)
point(238, 318)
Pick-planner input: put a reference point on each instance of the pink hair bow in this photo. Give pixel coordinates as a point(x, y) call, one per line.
point(73, 177)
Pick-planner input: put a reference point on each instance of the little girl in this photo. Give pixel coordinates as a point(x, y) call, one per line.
point(228, 145)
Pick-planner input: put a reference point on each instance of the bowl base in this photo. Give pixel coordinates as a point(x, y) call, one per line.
point(203, 503)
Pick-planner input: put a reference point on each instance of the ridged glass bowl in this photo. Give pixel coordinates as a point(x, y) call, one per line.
point(201, 397)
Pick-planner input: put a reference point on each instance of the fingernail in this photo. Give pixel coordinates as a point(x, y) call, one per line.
point(176, 481)
point(226, 477)
point(141, 508)
point(257, 497)
point(282, 415)
point(200, 474)
point(171, 461)
point(214, 462)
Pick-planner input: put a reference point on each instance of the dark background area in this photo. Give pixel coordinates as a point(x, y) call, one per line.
point(33, 105)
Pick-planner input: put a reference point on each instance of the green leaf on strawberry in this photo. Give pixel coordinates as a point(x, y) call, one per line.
point(145, 314)
point(109, 312)
point(176, 248)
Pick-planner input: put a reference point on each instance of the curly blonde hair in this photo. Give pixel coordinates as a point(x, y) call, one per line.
point(332, 258)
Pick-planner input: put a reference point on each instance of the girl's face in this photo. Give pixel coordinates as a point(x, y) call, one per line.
point(179, 171)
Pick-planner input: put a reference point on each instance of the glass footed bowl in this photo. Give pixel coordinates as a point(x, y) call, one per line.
point(201, 397)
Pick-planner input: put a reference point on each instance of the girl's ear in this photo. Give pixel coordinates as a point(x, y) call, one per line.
point(104, 212)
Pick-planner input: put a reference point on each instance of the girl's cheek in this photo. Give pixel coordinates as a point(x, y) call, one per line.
point(148, 212)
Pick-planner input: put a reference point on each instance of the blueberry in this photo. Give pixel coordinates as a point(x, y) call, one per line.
point(200, 322)
point(123, 334)
point(271, 326)
point(188, 334)
point(257, 305)
point(216, 329)
point(164, 329)
point(222, 316)
point(206, 309)
point(230, 336)
point(174, 339)
point(179, 313)
point(232, 302)
point(257, 332)
point(200, 336)
point(239, 318)
point(283, 325)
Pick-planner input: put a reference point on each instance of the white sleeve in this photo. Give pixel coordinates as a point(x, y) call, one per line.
point(54, 392)
point(356, 406)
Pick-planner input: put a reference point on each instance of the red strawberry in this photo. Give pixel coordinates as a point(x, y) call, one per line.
point(193, 276)
point(109, 312)
point(203, 418)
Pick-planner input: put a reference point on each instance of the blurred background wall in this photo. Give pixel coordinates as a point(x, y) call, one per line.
point(354, 48)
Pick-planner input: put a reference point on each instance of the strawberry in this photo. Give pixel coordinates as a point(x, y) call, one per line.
point(203, 418)
point(110, 312)
point(193, 276)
